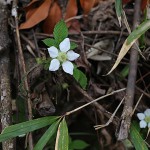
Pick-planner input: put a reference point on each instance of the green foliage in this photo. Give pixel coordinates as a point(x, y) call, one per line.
point(60, 31)
point(124, 72)
point(78, 145)
point(21, 103)
point(25, 127)
point(47, 136)
point(50, 42)
point(136, 138)
point(118, 7)
point(62, 139)
point(43, 61)
point(142, 38)
point(73, 45)
point(65, 85)
point(141, 29)
point(80, 77)
point(127, 143)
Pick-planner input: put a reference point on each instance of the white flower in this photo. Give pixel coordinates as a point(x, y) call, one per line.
point(144, 118)
point(62, 56)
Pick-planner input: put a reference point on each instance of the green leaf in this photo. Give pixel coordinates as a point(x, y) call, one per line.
point(46, 136)
point(40, 60)
point(118, 7)
point(50, 42)
point(141, 29)
point(73, 45)
point(124, 72)
point(62, 139)
point(25, 127)
point(80, 77)
point(130, 41)
point(79, 144)
point(21, 109)
point(46, 66)
point(60, 31)
point(136, 138)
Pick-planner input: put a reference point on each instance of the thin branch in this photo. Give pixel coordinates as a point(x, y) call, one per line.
point(97, 99)
point(109, 32)
point(5, 88)
point(111, 118)
point(137, 104)
point(129, 98)
point(23, 70)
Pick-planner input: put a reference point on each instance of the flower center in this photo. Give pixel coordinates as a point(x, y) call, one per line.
point(147, 119)
point(62, 57)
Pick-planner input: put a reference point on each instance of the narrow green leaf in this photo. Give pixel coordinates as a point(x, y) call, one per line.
point(46, 136)
point(21, 103)
point(118, 7)
point(50, 42)
point(136, 138)
point(73, 45)
point(60, 31)
point(25, 127)
point(62, 139)
point(141, 29)
point(80, 77)
point(125, 48)
point(125, 71)
point(79, 144)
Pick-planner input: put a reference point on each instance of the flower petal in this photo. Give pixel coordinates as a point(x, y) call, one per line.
point(141, 116)
point(54, 65)
point(147, 112)
point(68, 67)
point(53, 51)
point(71, 55)
point(143, 124)
point(64, 46)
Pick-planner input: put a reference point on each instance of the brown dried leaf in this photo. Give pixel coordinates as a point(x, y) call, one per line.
point(35, 14)
point(71, 10)
point(87, 5)
point(53, 17)
point(75, 27)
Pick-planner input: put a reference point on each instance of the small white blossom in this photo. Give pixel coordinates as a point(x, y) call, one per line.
point(144, 118)
point(143, 124)
point(62, 57)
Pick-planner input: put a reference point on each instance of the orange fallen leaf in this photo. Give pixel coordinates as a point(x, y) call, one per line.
point(75, 27)
point(50, 13)
point(53, 17)
point(35, 14)
point(144, 4)
point(87, 5)
point(71, 10)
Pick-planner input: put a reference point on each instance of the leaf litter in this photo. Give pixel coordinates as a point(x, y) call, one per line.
point(89, 27)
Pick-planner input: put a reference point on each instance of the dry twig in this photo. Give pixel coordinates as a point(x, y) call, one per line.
point(129, 98)
point(5, 90)
point(23, 70)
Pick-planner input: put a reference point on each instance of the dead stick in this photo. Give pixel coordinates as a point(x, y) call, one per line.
point(93, 101)
point(23, 70)
point(5, 89)
point(6, 109)
point(129, 98)
point(99, 108)
point(109, 32)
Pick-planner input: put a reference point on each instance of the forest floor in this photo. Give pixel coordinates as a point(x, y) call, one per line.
point(36, 92)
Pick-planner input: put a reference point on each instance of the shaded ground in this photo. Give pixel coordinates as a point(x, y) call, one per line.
point(99, 38)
